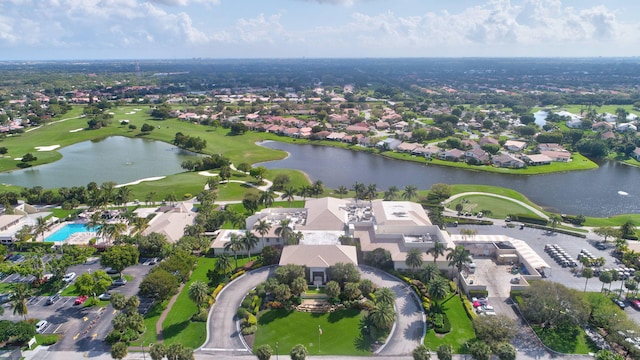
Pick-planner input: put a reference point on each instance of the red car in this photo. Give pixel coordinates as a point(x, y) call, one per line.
point(636, 304)
point(81, 299)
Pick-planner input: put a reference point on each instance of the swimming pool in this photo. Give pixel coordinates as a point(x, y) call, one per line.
point(69, 229)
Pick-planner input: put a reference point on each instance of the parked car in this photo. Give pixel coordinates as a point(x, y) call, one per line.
point(636, 304)
point(601, 246)
point(53, 298)
point(41, 325)
point(111, 271)
point(105, 296)
point(80, 299)
point(69, 277)
point(620, 303)
point(119, 282)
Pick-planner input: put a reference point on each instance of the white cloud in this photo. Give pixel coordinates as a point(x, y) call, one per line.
point(184, 2)
point(260, 29)
point(337, 2)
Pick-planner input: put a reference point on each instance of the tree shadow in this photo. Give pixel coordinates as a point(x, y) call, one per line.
point(413, 331)
point(362, 342)
point(273, 315)
point(336, 316)
point(174, 329)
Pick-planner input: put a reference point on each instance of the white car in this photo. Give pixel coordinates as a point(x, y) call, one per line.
point(69, 277)
point(41, 325)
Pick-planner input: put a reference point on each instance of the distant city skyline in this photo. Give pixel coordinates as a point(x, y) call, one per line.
point(182, 29)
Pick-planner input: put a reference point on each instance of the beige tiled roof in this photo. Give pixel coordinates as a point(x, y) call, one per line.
point(319, 256)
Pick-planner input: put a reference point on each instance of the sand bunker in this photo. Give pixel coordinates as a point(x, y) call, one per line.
point(141, 180)
point(76, 130)
point(17, 159)
point(47, 148)
point(131, 112)
point(206, 173)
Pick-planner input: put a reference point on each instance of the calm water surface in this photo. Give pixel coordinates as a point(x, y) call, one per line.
point(118, 159)
point(591, 193)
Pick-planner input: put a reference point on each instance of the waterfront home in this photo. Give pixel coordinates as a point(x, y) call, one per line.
point(557, 156)
point(537, 159)
point(636, 154)
point(451, 155)
point(507, 161)
point(515, 145)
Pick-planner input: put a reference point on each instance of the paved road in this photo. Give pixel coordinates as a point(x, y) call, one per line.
point(409, 329)
point(223, 336)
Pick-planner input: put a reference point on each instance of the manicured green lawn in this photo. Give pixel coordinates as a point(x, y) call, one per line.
point(340, 332)
point(461, 328)
point(150, 320)
point(177, 327)
point(565, 340)
point(499, 207)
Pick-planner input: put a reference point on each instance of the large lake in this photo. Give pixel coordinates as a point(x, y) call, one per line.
point(591, 193)
point(119, 159)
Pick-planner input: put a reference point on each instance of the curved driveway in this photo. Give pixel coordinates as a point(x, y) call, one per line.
point(223, 336)
point(408, 331)
point(222, 330)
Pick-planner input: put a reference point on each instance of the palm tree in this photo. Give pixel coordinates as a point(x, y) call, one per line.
point(410, 191)
point(391, 193)
point(212, 183)
point(341, 191)
point(198, 292)
point(587, 273)
point(360, 190)
point(438, 290)
point(262, 227)
point(384, 295)
point(124, 193)
point(149, 198)
point(372, 191)
point(429, 272)
point(106, 193)
point(305, 191)
point(249, 241)
point(267, 198)
point(555, 220)
point(288, 194)
point(140, 224)
point(458, 257)
point(437, 250)
point(317, 188)
point(223, 265)
point(284, 230)
point(112, 231)
point(605, 278)
point(414, 259)
point(382, 316)
point(234, 244)
point(42, 225)
point(19, 296)
point(235, 218)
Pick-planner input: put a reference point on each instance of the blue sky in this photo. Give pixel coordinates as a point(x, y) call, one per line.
point(174, 29)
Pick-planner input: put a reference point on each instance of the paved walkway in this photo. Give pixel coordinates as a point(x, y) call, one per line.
point(166, 312)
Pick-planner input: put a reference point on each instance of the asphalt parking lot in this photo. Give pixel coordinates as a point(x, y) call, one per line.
point(537, 239)
point(83, 328)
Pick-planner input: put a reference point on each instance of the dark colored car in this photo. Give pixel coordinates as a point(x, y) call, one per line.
point(620, 303)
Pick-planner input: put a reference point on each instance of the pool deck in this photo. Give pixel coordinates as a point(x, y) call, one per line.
point(79, 238)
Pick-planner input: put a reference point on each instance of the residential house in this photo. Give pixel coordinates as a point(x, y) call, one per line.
point(557, 156)
point(488, 140)
point(451, 155)
point(515, 145)
point(537, 159)
point(407, 147)
point(507, 161)
point(549, 147)
point(477, 156)
point(636, 154)
point(389, 143)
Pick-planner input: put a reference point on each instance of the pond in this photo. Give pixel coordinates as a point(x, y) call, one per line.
point(590, 193)
point(117, 158)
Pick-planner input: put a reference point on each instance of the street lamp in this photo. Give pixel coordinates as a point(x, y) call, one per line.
point(276, 350)
point(143, 356)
